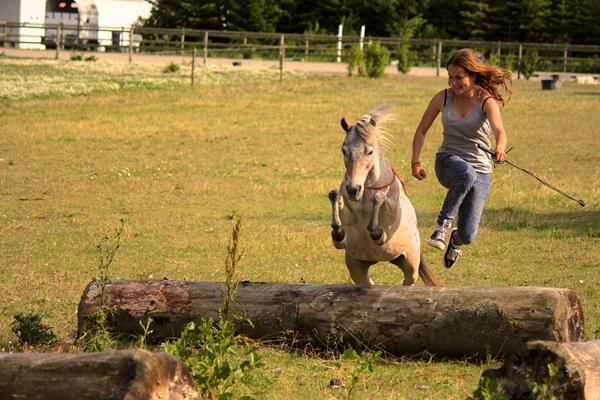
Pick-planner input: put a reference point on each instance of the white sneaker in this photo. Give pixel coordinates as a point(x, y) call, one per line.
point(438, 238)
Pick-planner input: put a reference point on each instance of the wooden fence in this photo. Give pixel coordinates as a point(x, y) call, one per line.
point(277, 46)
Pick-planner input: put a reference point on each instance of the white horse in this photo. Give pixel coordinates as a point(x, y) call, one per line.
point(373, 219)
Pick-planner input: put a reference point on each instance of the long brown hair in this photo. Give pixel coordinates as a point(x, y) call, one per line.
point(487, 76)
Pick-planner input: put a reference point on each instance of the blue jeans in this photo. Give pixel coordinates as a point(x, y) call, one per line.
point(467, 192)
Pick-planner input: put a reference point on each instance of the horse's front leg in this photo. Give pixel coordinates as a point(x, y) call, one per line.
point(337, 233)
point(375, 231)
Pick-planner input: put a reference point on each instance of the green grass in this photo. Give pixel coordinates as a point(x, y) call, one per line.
point(176, 162)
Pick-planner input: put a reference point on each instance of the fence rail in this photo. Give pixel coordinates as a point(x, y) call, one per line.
point(299, 47)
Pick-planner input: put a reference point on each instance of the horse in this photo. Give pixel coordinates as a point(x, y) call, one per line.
point(373, 219)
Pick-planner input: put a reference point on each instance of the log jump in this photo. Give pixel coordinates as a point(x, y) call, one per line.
point(398, 320)
point(113, 375)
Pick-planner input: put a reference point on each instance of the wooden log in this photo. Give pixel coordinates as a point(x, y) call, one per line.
point(577, 377)
point(123, 375)
point(398, 320)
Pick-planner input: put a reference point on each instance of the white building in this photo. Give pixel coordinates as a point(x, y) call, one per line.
point(81, 19)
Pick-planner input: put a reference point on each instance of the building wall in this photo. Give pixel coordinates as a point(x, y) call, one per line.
point(120, 15)
point(25, 11)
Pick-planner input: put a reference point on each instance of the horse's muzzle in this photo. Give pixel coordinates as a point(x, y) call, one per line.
point(355, 192)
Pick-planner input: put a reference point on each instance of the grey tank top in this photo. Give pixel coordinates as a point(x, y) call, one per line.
point(463, 134)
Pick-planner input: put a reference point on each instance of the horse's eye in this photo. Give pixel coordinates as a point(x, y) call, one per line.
point(369, 152)
point(344, 150)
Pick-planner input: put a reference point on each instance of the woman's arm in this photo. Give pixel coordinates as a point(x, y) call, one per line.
point(433, 109)
point(493, 112)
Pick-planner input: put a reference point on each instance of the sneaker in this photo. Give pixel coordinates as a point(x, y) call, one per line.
point(438, 238)
point(452, 252)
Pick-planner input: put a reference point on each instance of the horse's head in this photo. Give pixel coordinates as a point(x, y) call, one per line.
point(363, 148)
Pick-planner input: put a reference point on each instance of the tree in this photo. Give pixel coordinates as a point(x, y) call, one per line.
point(476, 18)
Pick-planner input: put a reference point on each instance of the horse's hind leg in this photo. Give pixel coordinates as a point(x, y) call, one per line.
point(359, 270)
point(409, 264)
point(337, 233)
point(375, 231)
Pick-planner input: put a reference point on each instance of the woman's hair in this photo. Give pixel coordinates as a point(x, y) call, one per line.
point(487, 76)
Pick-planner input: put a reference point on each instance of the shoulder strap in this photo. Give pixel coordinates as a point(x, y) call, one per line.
point(486, 99)
point(445, 96)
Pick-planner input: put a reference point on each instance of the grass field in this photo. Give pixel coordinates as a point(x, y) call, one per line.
point(176, 163)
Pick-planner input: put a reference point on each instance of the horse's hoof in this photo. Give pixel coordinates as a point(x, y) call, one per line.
point(339, 245)
point(338, 234)
point(333, 195)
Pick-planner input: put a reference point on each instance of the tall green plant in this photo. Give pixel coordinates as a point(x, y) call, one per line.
point(377, 57)
point(356, 60)
point(529, 64)
point(97, 335)
point(232, 260)
point(406, 31)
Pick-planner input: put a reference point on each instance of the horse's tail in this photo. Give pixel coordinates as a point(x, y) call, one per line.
point(427, 274)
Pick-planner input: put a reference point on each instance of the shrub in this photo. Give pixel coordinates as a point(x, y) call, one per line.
point(77, 57)
point(171, 68)
point(377, 58)
point(356, 59)
point(406, 58)
point(91, 59)
point(510, 61)
point(30, 329)
point(529, 64)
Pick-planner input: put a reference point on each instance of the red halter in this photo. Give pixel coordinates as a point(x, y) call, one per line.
point(395, 175)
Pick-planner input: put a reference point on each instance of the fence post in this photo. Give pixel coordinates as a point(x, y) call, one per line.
point(520, 59)
point(281, 56)
point(121, 39)
point(193, 65)
point(58, 40)
point(130, 44)
point(338, 58)
point(182, 40)
point(361, 40)
point(205, 46)
point(306, 52)
point(565, 58)
point(4, 34)
point(499, 52)
point(439, 59)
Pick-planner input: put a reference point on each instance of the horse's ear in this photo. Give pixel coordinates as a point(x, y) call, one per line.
point(344, 124)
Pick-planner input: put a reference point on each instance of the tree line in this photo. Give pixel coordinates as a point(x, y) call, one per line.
point(553, 21)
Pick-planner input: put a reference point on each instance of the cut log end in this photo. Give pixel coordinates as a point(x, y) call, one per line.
point(575, 370)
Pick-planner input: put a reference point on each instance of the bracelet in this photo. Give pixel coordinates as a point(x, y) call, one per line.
point(415, 163)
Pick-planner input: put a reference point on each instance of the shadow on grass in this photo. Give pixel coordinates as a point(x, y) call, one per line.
point(571, 223)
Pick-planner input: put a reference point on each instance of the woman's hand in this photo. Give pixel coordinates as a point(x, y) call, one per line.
point(418, 171)
point(500, 154)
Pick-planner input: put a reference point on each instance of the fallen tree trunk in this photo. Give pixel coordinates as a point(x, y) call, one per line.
point(577, 375)
point(398, 320)
point(122, 375)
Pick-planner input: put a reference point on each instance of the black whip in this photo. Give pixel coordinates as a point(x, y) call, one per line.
point(580, 202)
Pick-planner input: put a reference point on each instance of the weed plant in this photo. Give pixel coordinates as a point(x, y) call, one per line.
point(31, 331)
point(171, 68)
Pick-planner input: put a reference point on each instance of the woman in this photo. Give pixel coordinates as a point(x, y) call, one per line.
point(470, 115)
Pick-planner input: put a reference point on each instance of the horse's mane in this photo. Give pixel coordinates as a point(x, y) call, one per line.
point(371, 127)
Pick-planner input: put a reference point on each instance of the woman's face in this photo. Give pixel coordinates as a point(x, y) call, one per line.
point(459, 80)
